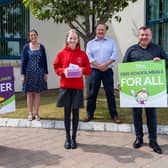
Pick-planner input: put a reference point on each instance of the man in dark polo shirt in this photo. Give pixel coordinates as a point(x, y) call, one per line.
point(143, 51)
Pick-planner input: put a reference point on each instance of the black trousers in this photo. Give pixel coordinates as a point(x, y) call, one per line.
point(151, 118)
point(94, 84)
point(67, 121)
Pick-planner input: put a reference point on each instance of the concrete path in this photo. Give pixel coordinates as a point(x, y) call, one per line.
point(43, 148)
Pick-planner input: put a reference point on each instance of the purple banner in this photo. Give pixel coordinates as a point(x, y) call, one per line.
point(6, 83)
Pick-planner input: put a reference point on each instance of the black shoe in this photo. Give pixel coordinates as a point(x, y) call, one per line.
point(67, 144)
point(156, 148)
point(87, 119)
point(73, 144)
point(138, 143)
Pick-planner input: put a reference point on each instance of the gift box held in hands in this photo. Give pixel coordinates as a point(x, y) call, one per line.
point(73, 71)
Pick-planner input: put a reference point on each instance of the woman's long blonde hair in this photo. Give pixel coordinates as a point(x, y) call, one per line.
point(72, 31)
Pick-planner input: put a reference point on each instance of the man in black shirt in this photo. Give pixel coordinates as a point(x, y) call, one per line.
point(143, 51)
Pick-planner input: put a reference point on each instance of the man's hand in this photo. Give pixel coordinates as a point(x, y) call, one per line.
point(156, 59)
point(118, 86)
point(102, 67)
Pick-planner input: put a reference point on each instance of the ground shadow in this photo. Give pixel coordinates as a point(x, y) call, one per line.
point(14, 157)
point(165, 149)
point(121, 154)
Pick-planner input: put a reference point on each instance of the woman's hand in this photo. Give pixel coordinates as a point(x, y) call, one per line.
point(45, 77)
point(23, 78)
point(66, 72)
point(81, 71)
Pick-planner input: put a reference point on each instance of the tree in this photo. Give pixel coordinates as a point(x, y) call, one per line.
point(82, 15)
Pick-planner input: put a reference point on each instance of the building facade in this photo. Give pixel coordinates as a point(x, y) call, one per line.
point(16, 21)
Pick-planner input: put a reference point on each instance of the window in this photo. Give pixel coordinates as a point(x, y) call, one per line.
point(14, 25)
point(157, 19)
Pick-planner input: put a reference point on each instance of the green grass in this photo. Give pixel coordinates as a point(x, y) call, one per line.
point(48, 110)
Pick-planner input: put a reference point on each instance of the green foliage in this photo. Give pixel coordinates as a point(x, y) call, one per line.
point(61, 10)
point(81, 15)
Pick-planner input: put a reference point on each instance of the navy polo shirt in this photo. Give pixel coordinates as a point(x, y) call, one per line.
point(137, 53)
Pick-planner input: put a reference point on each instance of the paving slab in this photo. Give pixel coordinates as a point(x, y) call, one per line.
point(44, 148)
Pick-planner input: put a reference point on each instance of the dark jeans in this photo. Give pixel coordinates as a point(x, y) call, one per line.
point(151, 122)
point(95, 81)
point(67, 122)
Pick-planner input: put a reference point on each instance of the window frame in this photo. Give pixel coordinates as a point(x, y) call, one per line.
point(154, 22)
point(22, 40)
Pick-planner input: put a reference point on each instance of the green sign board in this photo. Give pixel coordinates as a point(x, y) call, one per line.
point(143, 84)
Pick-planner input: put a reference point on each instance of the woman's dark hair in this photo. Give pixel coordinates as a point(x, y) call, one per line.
point(32, 30)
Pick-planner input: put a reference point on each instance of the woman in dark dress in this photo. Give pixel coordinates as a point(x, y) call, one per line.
point(34, 73)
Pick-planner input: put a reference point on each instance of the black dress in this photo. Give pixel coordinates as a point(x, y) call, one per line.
point(34, 73)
